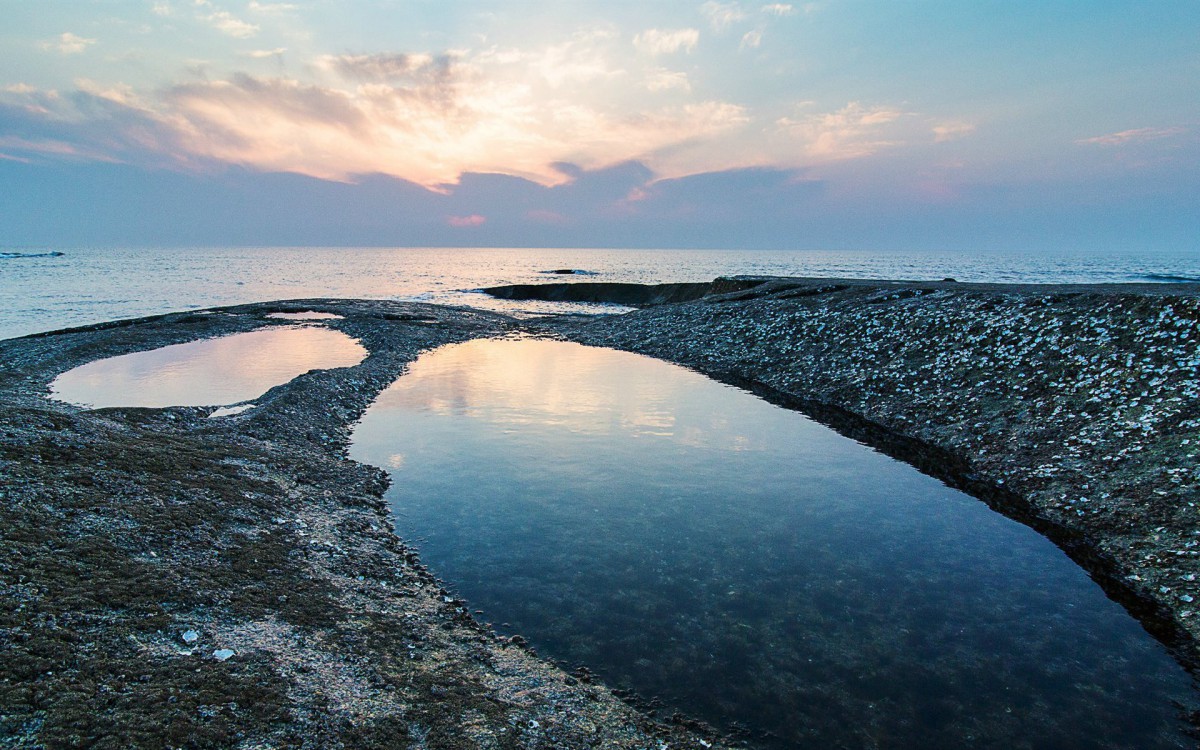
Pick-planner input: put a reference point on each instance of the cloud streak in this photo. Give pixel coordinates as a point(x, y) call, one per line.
point(379, 67)
point(852, 132)
point(226, 23)
point(271, 8)
point(666, 42)
point(68, 44)
point(722, 15)
point(662, 79)
point(471, 220)
point(1137, 135)
point(221, 20)
point(951, 131)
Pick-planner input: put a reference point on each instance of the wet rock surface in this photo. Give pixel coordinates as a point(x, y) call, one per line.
point(174, 580)
point(619, 293)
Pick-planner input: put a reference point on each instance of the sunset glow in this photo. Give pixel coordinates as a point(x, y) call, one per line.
point(938, 115)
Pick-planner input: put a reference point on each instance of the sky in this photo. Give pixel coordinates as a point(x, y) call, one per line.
point(914, 124)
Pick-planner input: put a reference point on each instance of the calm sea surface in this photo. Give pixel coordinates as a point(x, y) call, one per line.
point(91, 285)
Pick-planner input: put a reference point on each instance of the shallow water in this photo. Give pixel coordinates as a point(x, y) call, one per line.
point(92, 285)
point(217, 371)
point(748, 566)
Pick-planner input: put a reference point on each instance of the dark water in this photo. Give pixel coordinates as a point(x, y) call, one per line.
point(748, 566)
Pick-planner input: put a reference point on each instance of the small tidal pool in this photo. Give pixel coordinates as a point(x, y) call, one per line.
point(216, 371)
point(750, 567)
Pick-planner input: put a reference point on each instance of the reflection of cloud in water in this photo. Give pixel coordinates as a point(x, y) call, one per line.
point(755, 550)
point(583, 389)
point(222, 370)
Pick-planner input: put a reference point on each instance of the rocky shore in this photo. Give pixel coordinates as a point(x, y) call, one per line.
point(172, 579)
point(1072, 408)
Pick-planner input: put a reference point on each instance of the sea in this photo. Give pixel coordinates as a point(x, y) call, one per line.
point(45, 289)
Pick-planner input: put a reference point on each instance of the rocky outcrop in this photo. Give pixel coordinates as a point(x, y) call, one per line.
point(172, 580)
point(630, 295)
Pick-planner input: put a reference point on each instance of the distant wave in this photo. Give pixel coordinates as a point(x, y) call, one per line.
point(51, 254)
point(1171, 277)
point(569, 272)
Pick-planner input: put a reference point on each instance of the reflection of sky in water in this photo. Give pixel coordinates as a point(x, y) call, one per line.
point(743, 563)
point(223, 370)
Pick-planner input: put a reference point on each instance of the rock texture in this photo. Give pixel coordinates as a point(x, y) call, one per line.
point(171, 580)
point(1075, 409)
point(174, 580)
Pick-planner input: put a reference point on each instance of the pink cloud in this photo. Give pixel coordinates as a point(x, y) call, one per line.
point(473, 220)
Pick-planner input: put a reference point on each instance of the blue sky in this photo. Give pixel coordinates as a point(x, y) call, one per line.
point(891, 125)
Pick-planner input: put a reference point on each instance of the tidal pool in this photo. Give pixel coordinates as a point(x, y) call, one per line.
point(750, 567)
point(216, 371)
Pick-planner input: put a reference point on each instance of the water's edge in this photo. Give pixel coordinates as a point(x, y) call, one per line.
point(288, 459)
point(735, 336)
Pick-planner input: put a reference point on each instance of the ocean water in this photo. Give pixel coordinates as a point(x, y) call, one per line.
point(40, 292)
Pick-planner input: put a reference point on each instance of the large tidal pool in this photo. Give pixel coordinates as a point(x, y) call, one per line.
point(747, 566)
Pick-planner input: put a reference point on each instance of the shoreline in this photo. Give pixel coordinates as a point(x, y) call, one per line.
point(140, 546)
point(897, 365)
point(129, 527)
